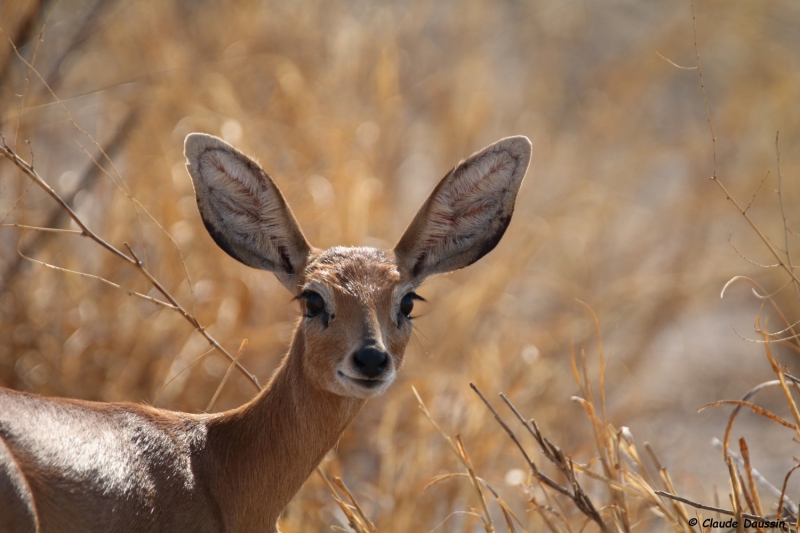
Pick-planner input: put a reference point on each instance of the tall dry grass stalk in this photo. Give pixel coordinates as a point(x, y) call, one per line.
point(357, 110)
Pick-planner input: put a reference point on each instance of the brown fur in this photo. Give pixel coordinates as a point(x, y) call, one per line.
point(69, 466)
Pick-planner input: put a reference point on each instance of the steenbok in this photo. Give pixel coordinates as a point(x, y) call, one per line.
point(81, 467)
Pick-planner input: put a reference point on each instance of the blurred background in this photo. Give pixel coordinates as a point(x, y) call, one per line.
point(357, 109)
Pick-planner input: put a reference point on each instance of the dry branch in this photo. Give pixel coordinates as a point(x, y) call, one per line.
point(131, 259)
point(554, 454)
point(699, 505)
point(87, 179)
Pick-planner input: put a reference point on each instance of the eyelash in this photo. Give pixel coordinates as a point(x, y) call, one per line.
point(314, 305)
point(412, 296)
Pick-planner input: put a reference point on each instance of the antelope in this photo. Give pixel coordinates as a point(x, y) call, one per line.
point(69, 466)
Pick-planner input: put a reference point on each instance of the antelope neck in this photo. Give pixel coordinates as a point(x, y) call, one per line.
point(271, 445)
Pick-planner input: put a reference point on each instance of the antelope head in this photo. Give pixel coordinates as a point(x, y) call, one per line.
point(357, 302)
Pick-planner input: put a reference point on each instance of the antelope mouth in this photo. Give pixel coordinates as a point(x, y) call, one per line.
point(365, 383)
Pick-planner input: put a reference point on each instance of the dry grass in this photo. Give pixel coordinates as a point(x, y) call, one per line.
point(357, 110)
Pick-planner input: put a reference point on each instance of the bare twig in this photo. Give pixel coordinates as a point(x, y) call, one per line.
point(740, 254)
point(783, 499)
point(756, 500)
point(460, 451)
point(366, 521)
point(130, 292)
point(120, 181)
point(673, 63)
point(46, 230)
point(555, 455)
point(353, 520)
point(769, 296)
point(759, 478)
point(755, 408)
point(132, 259)
point(783, 213)
point(28, 76)
point(698, 505)
point(761, 184)
point(487, 521)
point(24, 31)
point(705, 99)
point(182, 370)
point(535, 469)
point(507, 512)
point(786, 266)
point(667, 480)
point(88, 178)
point(226, 376)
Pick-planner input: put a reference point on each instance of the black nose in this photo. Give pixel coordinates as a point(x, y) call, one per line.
point(370, 361)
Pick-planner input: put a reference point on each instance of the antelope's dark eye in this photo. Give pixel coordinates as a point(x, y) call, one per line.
point(314, 303)
point(407, 304)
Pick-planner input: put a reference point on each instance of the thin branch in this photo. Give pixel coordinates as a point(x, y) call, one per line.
point(366, 521)
point(555, 455)
point(698, 505)
point(45, 230)
point(753, 499)
point(562, 462)
point(789, 270)
point(768, 296)
point(673, 63)
point(181, 371)
point(28, 170)
point(705, 99)
point(124, 187)
point(353, 520)
point(783, 499)
point(226, 376)
point(500, 501)
point(16, 204)
point(783, 212)
point(28, 75)
point(23, 33)
point(137, 205)
point(87, 179)
point(787, 393)
point(761, 184)
point(134, 261)
point(487, 522)
point(536, 472)
point(102, 279)
point(755, 408)
point(66, 112)
point(740, 254)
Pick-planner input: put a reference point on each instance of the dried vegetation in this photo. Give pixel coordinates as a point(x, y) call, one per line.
point(357, 109)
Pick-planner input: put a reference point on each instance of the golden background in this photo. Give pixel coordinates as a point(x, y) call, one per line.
point(357, 109)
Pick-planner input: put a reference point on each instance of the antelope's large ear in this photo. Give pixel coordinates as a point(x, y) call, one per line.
point(467, 213)
point(243, 209)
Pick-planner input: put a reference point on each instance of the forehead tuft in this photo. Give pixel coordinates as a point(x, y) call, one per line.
point(358, 271)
